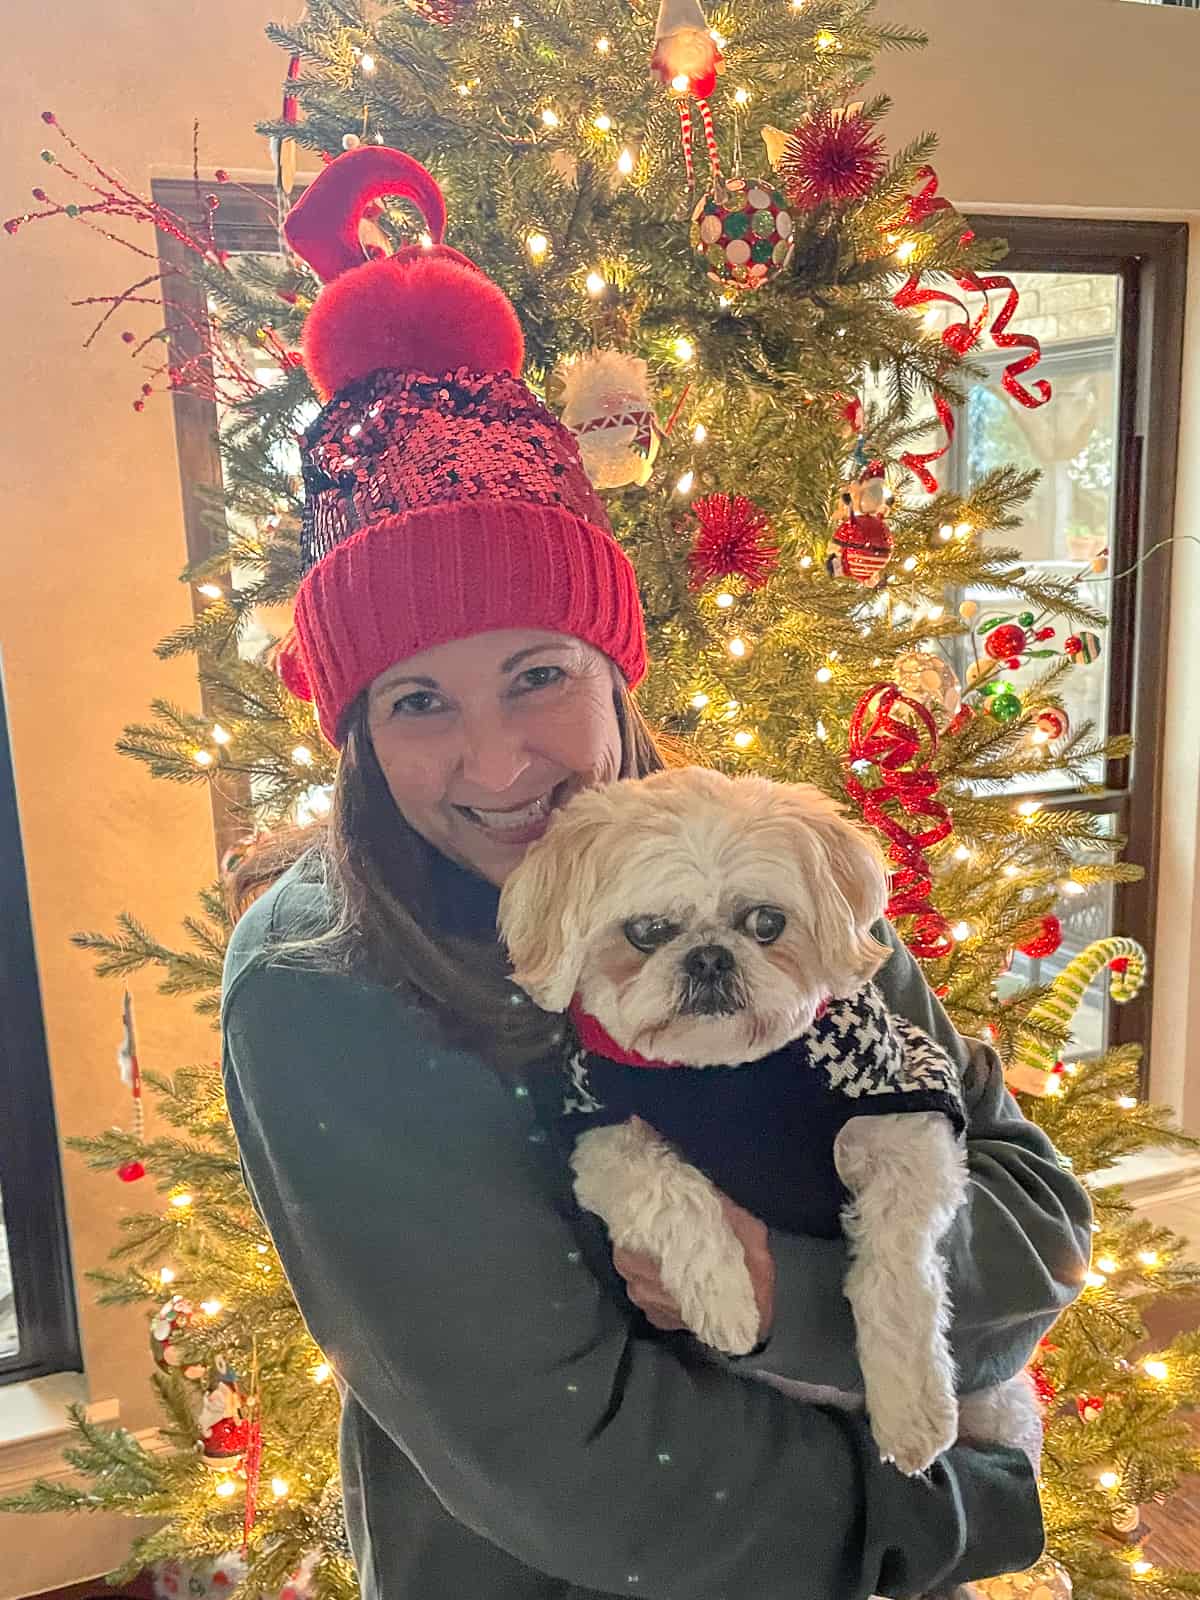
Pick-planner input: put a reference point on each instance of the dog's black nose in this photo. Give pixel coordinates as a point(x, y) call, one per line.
point(707, 962)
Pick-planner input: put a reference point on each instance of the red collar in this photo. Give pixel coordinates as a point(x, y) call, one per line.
point(596, 1041)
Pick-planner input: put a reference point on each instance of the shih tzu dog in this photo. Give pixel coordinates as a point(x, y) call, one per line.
point(691, 920)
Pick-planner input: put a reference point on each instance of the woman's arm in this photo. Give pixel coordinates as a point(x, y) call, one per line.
point(414, 1210)
point(1017, 1255)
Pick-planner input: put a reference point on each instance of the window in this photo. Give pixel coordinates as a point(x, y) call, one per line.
point(37, 1313)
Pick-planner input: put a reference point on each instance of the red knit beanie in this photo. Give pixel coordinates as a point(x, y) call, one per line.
point(441, 498)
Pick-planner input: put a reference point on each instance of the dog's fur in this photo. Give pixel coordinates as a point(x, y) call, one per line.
point(699, 852)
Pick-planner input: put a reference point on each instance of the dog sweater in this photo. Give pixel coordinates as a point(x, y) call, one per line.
point(764, 1132)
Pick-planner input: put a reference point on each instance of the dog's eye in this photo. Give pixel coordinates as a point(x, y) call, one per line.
point(650, 933)
point(764, 923)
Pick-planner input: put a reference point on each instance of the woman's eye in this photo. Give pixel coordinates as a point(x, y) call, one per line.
point(764, 923)
point(539, 677)
point(648, 934)
point(420, 703)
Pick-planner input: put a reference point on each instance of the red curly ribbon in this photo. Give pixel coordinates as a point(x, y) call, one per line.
point(1012, 341)
point(908, 785)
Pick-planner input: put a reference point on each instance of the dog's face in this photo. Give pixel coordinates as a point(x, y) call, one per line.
point(699, 918)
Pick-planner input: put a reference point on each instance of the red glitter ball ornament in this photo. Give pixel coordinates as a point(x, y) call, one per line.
point(1044, 942)
point(863, 545)
point(832, 157)
point(1047, 1392)
point(440, 12)
point(1006, 640)
point(131, 1171)
point(733, 541)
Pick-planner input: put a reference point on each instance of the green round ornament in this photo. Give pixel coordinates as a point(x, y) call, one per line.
point(1004, 707)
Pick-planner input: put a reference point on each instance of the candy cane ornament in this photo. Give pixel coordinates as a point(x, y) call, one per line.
point(1126, 962)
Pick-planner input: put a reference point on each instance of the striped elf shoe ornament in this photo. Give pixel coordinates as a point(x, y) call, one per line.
point(1036, 1060)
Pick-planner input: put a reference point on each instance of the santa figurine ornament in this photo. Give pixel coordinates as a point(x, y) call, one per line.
point(606, 404)
point(862, 541)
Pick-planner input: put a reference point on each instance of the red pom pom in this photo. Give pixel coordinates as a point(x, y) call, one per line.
point(131, 1172)
point(732, 541)
point(417, 311)
point(831, 156)
point(48, 116)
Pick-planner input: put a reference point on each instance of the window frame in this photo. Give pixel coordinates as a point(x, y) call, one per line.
point(31, 1183)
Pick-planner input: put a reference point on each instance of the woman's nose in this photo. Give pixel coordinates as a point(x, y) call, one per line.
point(494, 754)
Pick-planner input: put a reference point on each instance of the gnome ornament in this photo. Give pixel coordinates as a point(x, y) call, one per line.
point(685, 53)
point(606, 404)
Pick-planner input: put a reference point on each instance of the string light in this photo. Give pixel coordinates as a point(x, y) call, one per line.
point(279, 1486)
point(1127, 1101)
point(426, 241)
point(1148, 1258)
point(684, 349)
point(699, 433)
point(464, 89)
point(1010, 871)
point(181, 1201)
point(718, 39)
point(680, 83)
point(906, 250)
point(603, 45)
point(1029, 808)
point(1109, 1480)
point(684, 486)
point(806, 561)
point(226, 1488)
point(322, 1372)
point(210, 1308)
point(1106, 1264)
point(537, 244)
point(964, 530)
point(550, 118)
point(367, 63)
point(302, 756)
point(945, 533)
point(1156, 1369)
point(825, 41)
point(1071, 1067)
point(603, 123)
point(203, 758)
point(909, 563)
point(743, 739)
point(737, 647)
point(595, 283)
point(166, 1274)
point(961, 931)
point(211, 591)
point(741, 97)
point(1095, 1280)
point(823, 674)
point(821, 731)
point(516, 22)
point(625, 163)
point(962, 853)
point(724, 600)
point(219, 734)
point(699, 701)
point(1069, 886)
point(1142, 1567)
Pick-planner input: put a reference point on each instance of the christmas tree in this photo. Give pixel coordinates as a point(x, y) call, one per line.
point(762, 324)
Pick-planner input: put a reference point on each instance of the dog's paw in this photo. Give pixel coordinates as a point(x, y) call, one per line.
point(914, 1434)
point(711, 1283)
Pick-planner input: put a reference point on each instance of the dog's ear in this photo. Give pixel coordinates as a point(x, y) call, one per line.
point(548, 901)
point(851, 893)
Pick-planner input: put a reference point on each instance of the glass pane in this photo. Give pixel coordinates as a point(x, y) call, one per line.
point(10, 1342)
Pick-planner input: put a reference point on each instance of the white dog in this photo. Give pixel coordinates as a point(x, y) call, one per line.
point(694, 920)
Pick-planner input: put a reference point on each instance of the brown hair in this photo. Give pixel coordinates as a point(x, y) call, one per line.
point(383, 923)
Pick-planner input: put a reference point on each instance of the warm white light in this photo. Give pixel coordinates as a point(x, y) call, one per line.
point(821, 731)
point(211, 591)
point(931, 316)
point(1053, 1087)
point(603, 45)
point(1148, 1258)
point(743, 739)
point(166, 1274)
point(1069, 886)
point(684, 349)
point(806, 561)
point(595, 283)
point(464, 89)
point(1071, 1067)
point(1141, 1568)
point(302, 756)
point(550, 118)
point(1095, 1280)
point(603, 122)
point(367, 63)
point(1107, 1264)
point(322, 1372)
point(262, 1248)
point(935, 613)
point(906, 250)
point(1029, 808)
point(203, 758)
point(279, 1486)
point(210, 1307)
point(1010, 871)
point(724, 600)
point(737, 647)
point(825, 41)
point(226, 1488)
point(1126, 1102)
point(699, 701)
point(1038, 737)
point(1109, 1480)
point(219, 734)
point(964, 530)
point(426, 241)
point(945, 533)
point(680, 83)
point(718, 39)
point(961, 931)
point(797, 5)
point(684, 486)
point(699, 433)
point(181, 1201)
point(909, 563)
point(1157, 1369)
point(962, 853)
point(537, 244)
point(625, 163)
point(516, 22)
point(823, 674)
point(741, 96)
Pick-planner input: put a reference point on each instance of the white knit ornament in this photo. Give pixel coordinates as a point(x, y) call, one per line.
point(606, 405)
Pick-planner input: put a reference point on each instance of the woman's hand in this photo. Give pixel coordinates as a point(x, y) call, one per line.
point(644, 1285)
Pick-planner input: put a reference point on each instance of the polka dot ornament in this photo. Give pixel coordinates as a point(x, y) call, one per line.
point(743, 229)
point(1047, 1581)
point(926, 677)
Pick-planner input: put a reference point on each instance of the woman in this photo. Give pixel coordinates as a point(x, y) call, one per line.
point(513, 1427)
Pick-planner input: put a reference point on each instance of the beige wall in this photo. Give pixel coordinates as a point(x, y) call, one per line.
point(1091, 109)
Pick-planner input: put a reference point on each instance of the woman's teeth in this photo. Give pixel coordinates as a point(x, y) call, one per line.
point(511, 821)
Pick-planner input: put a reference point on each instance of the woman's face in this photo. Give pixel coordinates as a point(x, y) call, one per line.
point(482, 738)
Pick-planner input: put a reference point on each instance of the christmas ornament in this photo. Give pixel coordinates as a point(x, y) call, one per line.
point(1048, 1580)
point(131, 1077)
point(928, 678)
point(1089, 1406)
point(1126, 1519)
point(220, 1576)
point(959, 720)
point(743, 229)
point(224, 1427)
point(440, 12)
point(832, 158)
point(1004, 707)
point(283, 148)
point(968, 610)
point(1035, 1058)
point(1044, 942)
point(862, 548)
point(1004, 641)
point(685, 55)
point(733, 541)
point(1047, 1391)
point(170, 1320)
point(606, 404)
point(898, 735)
point(1053, 722)
point(1083, 647)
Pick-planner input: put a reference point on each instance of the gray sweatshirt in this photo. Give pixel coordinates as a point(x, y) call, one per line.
point(512, 1427)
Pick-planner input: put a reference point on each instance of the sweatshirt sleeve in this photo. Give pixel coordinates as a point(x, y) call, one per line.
point(1017, 1253)
point(407, 1190)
